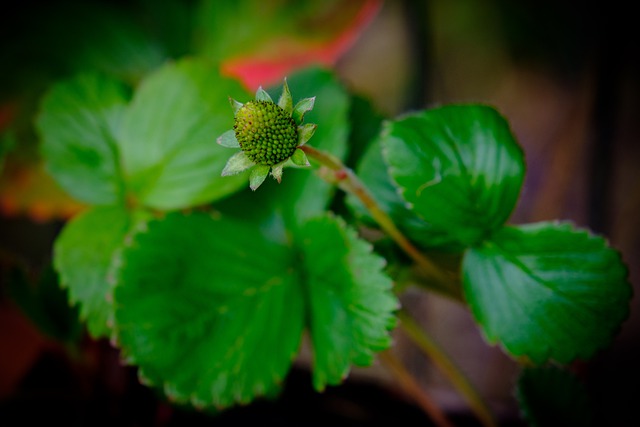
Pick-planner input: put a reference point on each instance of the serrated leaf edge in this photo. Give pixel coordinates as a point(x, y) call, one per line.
point(351, 238)
point(257, 390)
point(519, 354)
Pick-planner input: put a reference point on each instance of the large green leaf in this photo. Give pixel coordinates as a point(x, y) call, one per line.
point(458, 166)
point(550, 396)
point(209, 309)
point(547, 291)
point(168, 139)
point(372, 170)
point(213, 311)
point(83, 256)
point(350, 299)
point(78, 125)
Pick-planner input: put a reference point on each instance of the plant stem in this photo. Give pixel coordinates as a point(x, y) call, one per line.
point(411, 386)
point(443, 362)
point(348, 181)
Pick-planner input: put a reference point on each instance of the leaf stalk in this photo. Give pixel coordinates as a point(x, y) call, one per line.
point(349, 182)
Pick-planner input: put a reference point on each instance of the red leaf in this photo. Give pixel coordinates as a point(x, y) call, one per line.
point(264, 69)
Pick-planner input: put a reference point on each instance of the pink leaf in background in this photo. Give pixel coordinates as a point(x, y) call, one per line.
point(284, 55)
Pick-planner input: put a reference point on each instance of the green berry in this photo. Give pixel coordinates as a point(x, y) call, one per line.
point(265, 132)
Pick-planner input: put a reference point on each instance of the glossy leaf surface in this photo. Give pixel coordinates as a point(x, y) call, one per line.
point(212, 309)
point(547, 291)
point(458, 166)
point(372, 170)
point(209, 309)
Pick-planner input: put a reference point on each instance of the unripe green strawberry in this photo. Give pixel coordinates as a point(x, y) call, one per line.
point(265, 132)
point(269, 135)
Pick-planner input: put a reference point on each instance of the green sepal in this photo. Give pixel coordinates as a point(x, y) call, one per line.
point(258, 175)
point(303, 106)
point(235, 105)
point(237, 163)
point(228, 139)
point(276, 171)
point(286, 101)
point(299, 158)
point(262, 95)
point(305, 132)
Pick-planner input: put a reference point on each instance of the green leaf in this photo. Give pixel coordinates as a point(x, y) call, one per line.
point(168, 137)
point(83, 255)
point(372, 170)
point(547, 291)
point(350, 298)
point(458, 166)
point(550, 396)
point(78, 126)
point(209, 308)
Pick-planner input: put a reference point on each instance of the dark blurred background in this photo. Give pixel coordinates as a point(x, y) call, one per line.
point(564, 73)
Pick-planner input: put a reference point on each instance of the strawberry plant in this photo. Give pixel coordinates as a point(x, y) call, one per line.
point(208, 287)
point(210, 280)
